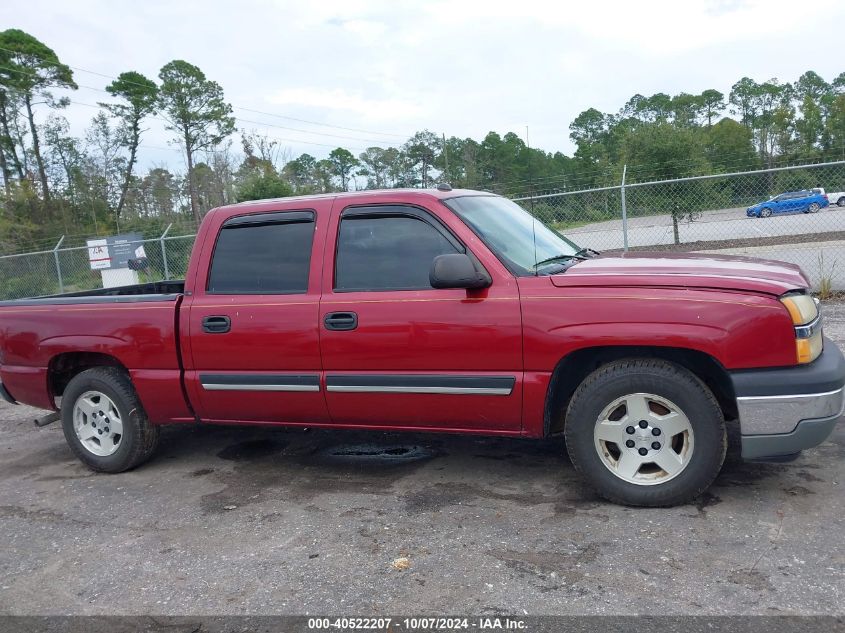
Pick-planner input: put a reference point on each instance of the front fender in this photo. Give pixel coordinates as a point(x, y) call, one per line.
point(707, 339)
point(739, 330)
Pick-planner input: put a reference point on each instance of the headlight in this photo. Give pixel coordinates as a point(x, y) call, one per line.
point(804, 311)
point(802, 308)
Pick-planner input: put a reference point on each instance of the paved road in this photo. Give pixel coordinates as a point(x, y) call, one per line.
point(238, 520)
point(726, 224)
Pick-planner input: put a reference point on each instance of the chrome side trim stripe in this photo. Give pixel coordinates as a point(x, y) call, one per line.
point(790, 396)
point(417, 383)
point(490, 391)
point(225, 387)
point(358, 383)
point(260, 382)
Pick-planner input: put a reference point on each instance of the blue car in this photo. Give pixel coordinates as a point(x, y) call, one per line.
point(789, 202)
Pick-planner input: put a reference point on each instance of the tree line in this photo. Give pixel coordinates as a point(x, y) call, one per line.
point(55, 183)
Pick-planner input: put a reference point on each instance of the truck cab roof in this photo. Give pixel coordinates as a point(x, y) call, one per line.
point(371, 195)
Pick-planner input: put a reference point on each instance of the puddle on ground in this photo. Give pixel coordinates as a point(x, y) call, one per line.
point(373, 452)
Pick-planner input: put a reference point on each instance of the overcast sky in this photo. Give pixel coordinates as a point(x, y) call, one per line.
point(455, 67)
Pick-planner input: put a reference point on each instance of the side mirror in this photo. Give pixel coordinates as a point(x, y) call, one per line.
point(456, 271)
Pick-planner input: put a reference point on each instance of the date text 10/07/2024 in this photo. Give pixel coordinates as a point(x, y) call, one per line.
point(417, 624)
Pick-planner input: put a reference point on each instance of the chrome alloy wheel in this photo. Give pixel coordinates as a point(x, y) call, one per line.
point(644, 439)
point(97, 423)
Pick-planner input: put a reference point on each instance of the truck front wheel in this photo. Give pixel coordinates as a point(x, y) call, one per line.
point(645, 433)
point(104, 423)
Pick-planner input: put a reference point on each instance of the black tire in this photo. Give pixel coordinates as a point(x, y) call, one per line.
point(813, 208)
point(841, 202)
point(139, 439)
point(668, 381)
point(765, 213)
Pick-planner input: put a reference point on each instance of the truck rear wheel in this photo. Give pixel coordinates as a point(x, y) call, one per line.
point(645, 433)
point(104, 423)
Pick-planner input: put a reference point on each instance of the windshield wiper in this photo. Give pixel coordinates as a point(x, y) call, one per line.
point(557, 258)
point(582, 254)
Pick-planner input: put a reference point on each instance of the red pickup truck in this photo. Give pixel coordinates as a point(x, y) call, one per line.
point(439, 310)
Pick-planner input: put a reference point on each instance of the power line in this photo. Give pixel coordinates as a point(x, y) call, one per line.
point(272, 138)
point(336, 127)
point(242, 120)
point(272, 114)
point(293, 129)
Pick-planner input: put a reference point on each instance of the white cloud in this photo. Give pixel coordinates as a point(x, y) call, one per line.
point(352, 103)
point(658, 26)
point(462, 67)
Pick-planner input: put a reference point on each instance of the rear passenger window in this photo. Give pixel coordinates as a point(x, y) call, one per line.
point(387, 253)
point(263, 255)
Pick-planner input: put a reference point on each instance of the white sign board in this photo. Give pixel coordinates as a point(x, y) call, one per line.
point(98, 254)
point(111, 256)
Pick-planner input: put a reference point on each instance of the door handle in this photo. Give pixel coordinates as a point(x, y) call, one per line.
point(341, 321)
point(216, 324)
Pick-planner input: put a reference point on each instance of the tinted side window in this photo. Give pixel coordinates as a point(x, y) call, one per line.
point(269, 258)
point(387, 253)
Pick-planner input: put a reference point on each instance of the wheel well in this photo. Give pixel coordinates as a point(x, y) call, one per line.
point(64, 367)
point(575, 367)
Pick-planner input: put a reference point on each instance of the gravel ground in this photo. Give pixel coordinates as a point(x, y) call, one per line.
point(251, 521)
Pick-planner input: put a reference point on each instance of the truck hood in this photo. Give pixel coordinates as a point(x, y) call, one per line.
point(685, 270)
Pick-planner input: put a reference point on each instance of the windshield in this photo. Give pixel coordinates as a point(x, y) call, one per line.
point(510, 232)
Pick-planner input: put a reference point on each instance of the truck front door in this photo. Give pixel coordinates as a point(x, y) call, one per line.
point(399, 353)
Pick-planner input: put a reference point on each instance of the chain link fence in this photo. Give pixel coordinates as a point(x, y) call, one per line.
point(702, 214)
point(794, 214)
point(69, 270)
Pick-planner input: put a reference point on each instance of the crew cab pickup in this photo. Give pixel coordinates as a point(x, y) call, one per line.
point(439, 310)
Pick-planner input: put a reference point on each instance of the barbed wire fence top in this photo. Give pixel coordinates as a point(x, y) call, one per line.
point(742, 213)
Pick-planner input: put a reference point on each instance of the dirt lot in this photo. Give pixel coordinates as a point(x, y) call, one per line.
point(233, 520)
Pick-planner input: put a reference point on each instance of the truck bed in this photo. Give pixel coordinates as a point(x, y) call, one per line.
point(151, 291)
point(134, 327)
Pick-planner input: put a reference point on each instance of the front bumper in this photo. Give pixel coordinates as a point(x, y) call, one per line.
point(783, 411)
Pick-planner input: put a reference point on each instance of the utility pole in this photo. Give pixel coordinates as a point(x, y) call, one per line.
point(446, 155)
point(530, 171)
point(624, 209)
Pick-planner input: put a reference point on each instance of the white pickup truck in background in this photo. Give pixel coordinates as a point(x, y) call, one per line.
point(835, 197)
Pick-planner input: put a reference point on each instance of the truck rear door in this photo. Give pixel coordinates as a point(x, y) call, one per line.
point(252, 341)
